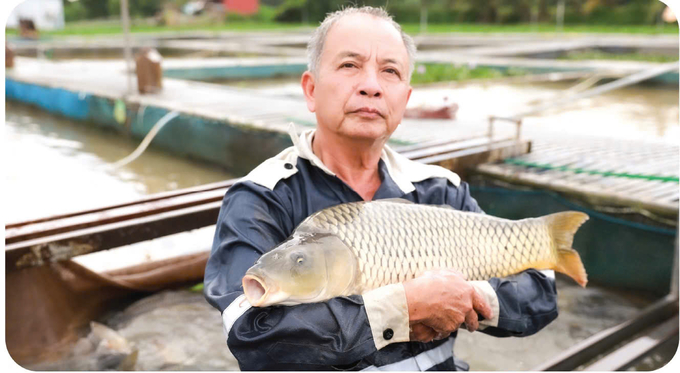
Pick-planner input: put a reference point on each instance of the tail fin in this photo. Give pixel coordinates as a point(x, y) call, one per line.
point(563, 226)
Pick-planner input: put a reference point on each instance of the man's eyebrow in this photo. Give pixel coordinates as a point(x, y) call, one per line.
point(390, 60)
point(351, 54)
point(344, 54)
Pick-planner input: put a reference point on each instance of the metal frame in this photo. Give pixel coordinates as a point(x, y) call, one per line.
point(605, 340)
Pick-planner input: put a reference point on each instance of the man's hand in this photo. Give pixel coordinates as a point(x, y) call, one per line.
point(423, 333)
point(439, 302)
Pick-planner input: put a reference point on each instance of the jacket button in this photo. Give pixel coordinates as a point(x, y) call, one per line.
point(388, 334)
point(288, 166)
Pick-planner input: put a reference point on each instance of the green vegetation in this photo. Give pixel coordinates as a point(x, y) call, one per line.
point(96, 17)
point(93, 28)
point(541, 28)
point(612, 12)
point(90, 28)
point(600, 55)
point(434, 73)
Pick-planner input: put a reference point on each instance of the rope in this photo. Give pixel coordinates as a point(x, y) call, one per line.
point(579, 170)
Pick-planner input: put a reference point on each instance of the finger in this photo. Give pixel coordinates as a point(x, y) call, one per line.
point(446, 323)
point(471, 321)
point(422, 333)
point(441, 336)
point(480, 305)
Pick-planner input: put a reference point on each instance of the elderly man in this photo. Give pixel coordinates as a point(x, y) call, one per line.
point(360, 63)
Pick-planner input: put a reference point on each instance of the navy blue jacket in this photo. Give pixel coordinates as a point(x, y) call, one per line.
point(263, 210)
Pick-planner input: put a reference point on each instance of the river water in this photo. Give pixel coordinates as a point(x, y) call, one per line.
point(55, 166)
point(648, 112)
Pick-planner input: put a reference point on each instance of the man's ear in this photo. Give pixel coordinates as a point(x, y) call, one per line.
point(308, 85)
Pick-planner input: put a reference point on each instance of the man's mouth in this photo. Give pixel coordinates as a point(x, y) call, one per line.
point(368, 112)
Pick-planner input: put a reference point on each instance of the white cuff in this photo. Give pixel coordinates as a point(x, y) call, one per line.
point(484, 289)
point(235, 310)
point(387, 312)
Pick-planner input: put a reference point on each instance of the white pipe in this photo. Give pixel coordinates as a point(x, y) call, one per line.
point(147, 140)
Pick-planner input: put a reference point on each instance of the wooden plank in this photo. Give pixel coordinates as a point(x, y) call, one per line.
point(31, 253)
point(588, 192)
point(430, 143)
point(52, 227)
point(664, 189)
point(446, 148)
point(462, 161)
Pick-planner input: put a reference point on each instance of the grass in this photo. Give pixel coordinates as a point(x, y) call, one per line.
point(434, 73)
point(543, 28)
point(600, 55)
point(93, 28)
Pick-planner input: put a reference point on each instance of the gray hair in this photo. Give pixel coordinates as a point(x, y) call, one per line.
point(318, 39)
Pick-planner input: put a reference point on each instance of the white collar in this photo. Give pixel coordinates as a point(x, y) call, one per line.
point(403, 171)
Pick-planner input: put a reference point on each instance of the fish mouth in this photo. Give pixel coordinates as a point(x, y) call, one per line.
point(255, 290)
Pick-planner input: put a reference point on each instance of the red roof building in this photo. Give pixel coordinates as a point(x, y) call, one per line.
point(242, 7)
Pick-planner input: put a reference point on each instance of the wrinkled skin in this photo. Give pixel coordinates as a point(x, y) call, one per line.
point(440, 302)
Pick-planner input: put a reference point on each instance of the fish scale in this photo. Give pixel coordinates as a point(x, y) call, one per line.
point(469, 238)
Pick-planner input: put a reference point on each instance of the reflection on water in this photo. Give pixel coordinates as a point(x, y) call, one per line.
point(55, 166)
point(637, 112)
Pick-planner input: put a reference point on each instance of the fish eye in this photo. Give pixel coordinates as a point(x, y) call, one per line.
point(298, 258)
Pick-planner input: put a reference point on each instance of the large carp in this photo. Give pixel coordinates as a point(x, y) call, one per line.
point(355, 247)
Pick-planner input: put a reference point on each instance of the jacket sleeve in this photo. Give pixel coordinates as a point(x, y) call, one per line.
point(253, 220)
point(527, 301)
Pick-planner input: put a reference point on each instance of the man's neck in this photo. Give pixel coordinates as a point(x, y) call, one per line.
point(354, 162)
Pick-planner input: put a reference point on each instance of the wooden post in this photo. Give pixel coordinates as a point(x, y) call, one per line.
point(519, 128)
point(490, 133)
point(125, 18)
point(9, 57)
point(423, 17)
point(560, 15)
point(149, 71)
point(674, 274)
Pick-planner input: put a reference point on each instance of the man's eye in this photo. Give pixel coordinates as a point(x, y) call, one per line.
point(392, 71)
point(347, 65)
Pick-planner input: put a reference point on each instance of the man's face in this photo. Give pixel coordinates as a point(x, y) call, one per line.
point(362, 86)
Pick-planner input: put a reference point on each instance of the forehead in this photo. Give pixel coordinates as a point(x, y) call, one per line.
point(362, 33)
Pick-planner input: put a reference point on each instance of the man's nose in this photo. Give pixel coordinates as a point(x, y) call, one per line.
point(370, 86)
